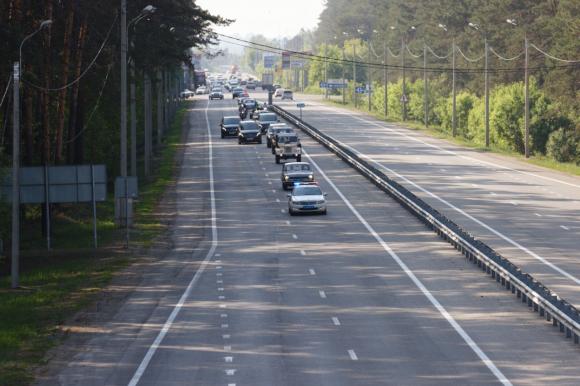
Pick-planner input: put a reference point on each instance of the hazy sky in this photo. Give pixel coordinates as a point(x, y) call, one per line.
point(271, 18)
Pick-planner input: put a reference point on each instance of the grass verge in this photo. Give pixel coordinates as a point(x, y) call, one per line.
point(55, 286)
point(437, 132)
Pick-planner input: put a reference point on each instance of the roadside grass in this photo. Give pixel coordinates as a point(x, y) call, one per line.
point(56, 285)
point(438, 132)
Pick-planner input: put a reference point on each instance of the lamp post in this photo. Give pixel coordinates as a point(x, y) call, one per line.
point(453, 89)
point(15, 246)
point(404, 98)
point(343, 70)
point(477, 27)
point(514, 23)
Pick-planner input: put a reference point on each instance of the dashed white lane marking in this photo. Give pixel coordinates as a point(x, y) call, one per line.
point(273, 190)
point(218, 261)
point(218, 255)
point(288, 222)
point(269, 182)
point(283, 210)
point(264, 169)
point(219, 274)
point(457, 177)
point(303, 252)
point(322, 294)
point(230, 371)
point(312, 272)
point(352, 355)
point(564, 227)
point(227, 348)
point(219, 282)
point(475, 185)
point(443, 170)
point(294, 237)
point(221, 297)
point(267, 175)
point(210, 254)
point(225, 325)
point(460, 331)
point(514, 203)
point(218, 267)
point(228, 359)
point(226, 336)
point(231, 384)
point(220, 289)
point(277, 200)
point(493, 194)
point(223, 306)
point(538, 215)
point(335, 321)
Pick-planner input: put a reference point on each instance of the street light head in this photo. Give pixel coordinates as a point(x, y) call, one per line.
point(474, 26)
point(512, 22)
point(172, 29)
point(392, 27)
point(45, 24)
point(149, 9)
point(345, 33)
point(442, 26)
point(375, 31)
point(413, 28)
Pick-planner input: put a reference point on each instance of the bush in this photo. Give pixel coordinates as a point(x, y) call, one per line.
point(564, 145)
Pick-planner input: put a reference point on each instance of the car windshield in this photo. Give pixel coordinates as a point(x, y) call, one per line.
point(307, 191)
point(282, 130)
point(267, 117)
point(238, 89)
point(250, 126)
point(298, 168)
point(216, 90)
point(250, 102)
point(231, 121)
point(286, 139)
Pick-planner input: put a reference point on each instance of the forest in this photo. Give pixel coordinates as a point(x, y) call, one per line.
point(437, 33)
point(70, 74)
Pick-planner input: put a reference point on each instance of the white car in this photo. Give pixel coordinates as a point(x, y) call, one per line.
point(201, 90)
point(278, 93)
point(306, 198)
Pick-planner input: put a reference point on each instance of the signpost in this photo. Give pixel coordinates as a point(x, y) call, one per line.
point(300, 105)
point(333, 84)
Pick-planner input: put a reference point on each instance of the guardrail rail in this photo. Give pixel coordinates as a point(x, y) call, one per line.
point(523, 285)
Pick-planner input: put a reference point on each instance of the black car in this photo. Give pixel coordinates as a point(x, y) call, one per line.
point(265, 119)
point(250, 104)
point(249, 131)
point(229, 126)
point(274, 130)
point(296, 172)
point(237, 92)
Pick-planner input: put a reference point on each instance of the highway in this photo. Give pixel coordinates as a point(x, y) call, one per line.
point(364, 295)
point(529, 214)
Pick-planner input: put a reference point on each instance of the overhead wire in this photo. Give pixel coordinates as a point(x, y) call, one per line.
point(438, 56)
point(92, 63)
point(506, 59)
point(411, 53)
point(469, 59)
point(6, 91)
point(553, 57)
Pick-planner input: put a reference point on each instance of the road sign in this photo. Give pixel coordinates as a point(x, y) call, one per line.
point(404, 99)
point(285, 60)
point(333, 84)
point(269, 61)
point(300, 105)
point(361, 90)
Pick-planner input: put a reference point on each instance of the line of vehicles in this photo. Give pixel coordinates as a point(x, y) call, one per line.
point(283, 142)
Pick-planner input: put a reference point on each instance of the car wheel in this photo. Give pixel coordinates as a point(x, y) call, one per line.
point(277, 159)
point(260, 141)
point(324, 212)
point(290, 211)
point(268, 144)
point(299, 158)
point(239, 141)
point(273, 150)
point(223, 136)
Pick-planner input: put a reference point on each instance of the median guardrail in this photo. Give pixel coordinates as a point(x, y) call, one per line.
point(523, 285)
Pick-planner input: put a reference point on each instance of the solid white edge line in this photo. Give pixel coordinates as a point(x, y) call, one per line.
point(464, 213)
point(462, 333)
point(475, 160)
point(214, 242)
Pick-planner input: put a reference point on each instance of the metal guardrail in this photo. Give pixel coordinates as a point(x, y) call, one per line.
point(543, 301)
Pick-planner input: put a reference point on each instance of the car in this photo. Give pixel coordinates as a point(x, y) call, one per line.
point(229, 126)
point(187, 94)
point(306, 198)
point(249, 131)
point(287, 94)
point(251, 85)
point(245, 93)
point(216, 93)
point(296, 173)
point(237, 92)
point(287, 146)
point(274, 130)
point(265, 119)
point(201, 90)
point(249, 104)
point(278, 93)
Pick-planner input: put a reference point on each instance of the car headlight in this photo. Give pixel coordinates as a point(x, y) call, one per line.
point(311, 177)
point(286, 178)
point(320, 202)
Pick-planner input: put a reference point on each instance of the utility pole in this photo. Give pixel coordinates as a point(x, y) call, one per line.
point(386, 77)
point(343, 76)
point(369, 76)
point(147, 124)
point(425, 86)
point(159, 87)
point(527, 100)
point(404, 96)
point(133, 99)
point(454, 106)
point(325, 69)
point(486, 94)
point(354, 73)
point(123, 88)
point(16, 177)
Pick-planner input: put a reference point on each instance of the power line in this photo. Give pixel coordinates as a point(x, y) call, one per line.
point(305, 55)
point(6, 91)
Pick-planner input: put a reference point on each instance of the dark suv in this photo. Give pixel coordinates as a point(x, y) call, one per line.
point(229, 126)
point(249, 131)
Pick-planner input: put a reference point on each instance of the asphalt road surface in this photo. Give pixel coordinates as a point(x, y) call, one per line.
point(529, 214)
point(362, 296)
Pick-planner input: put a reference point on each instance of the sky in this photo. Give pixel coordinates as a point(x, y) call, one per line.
point(271, 18)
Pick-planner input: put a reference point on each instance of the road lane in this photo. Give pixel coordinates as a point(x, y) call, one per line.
point(526, 213)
